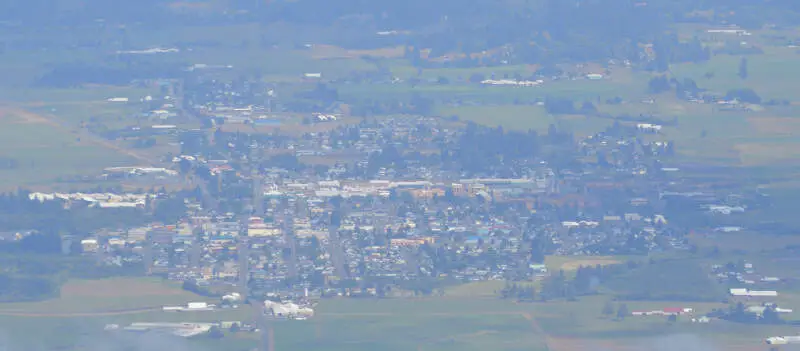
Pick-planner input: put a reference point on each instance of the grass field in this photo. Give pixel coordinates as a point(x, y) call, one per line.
point(703, 133)
point(485, 289)
point(772, 75)
point(571, 263)
point(44, 150)
point(106, 296)
point(512, 117)
point(427, 324)
point(42, 132)
point(473, 320)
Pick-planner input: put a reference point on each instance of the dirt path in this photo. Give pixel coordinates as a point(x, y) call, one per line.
point(537, 328)
point(26, 116)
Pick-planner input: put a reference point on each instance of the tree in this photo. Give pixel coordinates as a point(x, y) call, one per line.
point(476, 78)
point(588, 107)
point(658, 85)
point(215, 333)
point(672, 318)
point(622, 312)
point(743, 68)
point(743, 95)
point(559, 106)
point(608, 309)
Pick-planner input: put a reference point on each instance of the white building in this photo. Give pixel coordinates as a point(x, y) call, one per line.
point(752, 293)
point(287, 309)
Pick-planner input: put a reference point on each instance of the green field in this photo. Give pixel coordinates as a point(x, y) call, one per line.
point(42, 132)
point(470, 320)
point(704, 133)
point(520, 117)
point(43, 152)
point(427, 324)
point(106, 296)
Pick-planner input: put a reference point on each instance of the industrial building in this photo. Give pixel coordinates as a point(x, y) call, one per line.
point(287, 310)
point(752, 293)
point(185, 330)
point(783, 340)
point(191, 306)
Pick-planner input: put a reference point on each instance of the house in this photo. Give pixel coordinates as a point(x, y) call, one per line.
point(89, 245)
point(325, 117)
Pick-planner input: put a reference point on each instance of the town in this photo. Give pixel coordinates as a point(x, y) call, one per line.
point(347, 207)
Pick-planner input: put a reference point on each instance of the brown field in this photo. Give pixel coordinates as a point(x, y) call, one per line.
point(568, 263)
point(106, 296)
point(574, 265)
point(8, 115)
point(323, 51)
point(775, 125)
point(754, 154)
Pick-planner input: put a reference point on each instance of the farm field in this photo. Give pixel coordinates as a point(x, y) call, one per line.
point(703, 133)
point(511, 117)
point(428, 324)
point(575, 325)
point(105, 296)
point(484, 289)
point(36, 149)
point(468, 321)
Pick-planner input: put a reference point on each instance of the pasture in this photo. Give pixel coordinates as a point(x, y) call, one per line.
point(35, 150)
point(105, 297)
point(510, 117)
point(572, 263)
point(453, 322)
point(426, 324)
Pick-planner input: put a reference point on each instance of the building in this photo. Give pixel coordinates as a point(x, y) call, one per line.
point(287, 309)
point(89, 245)
point(669, 311)
point(752, 293)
